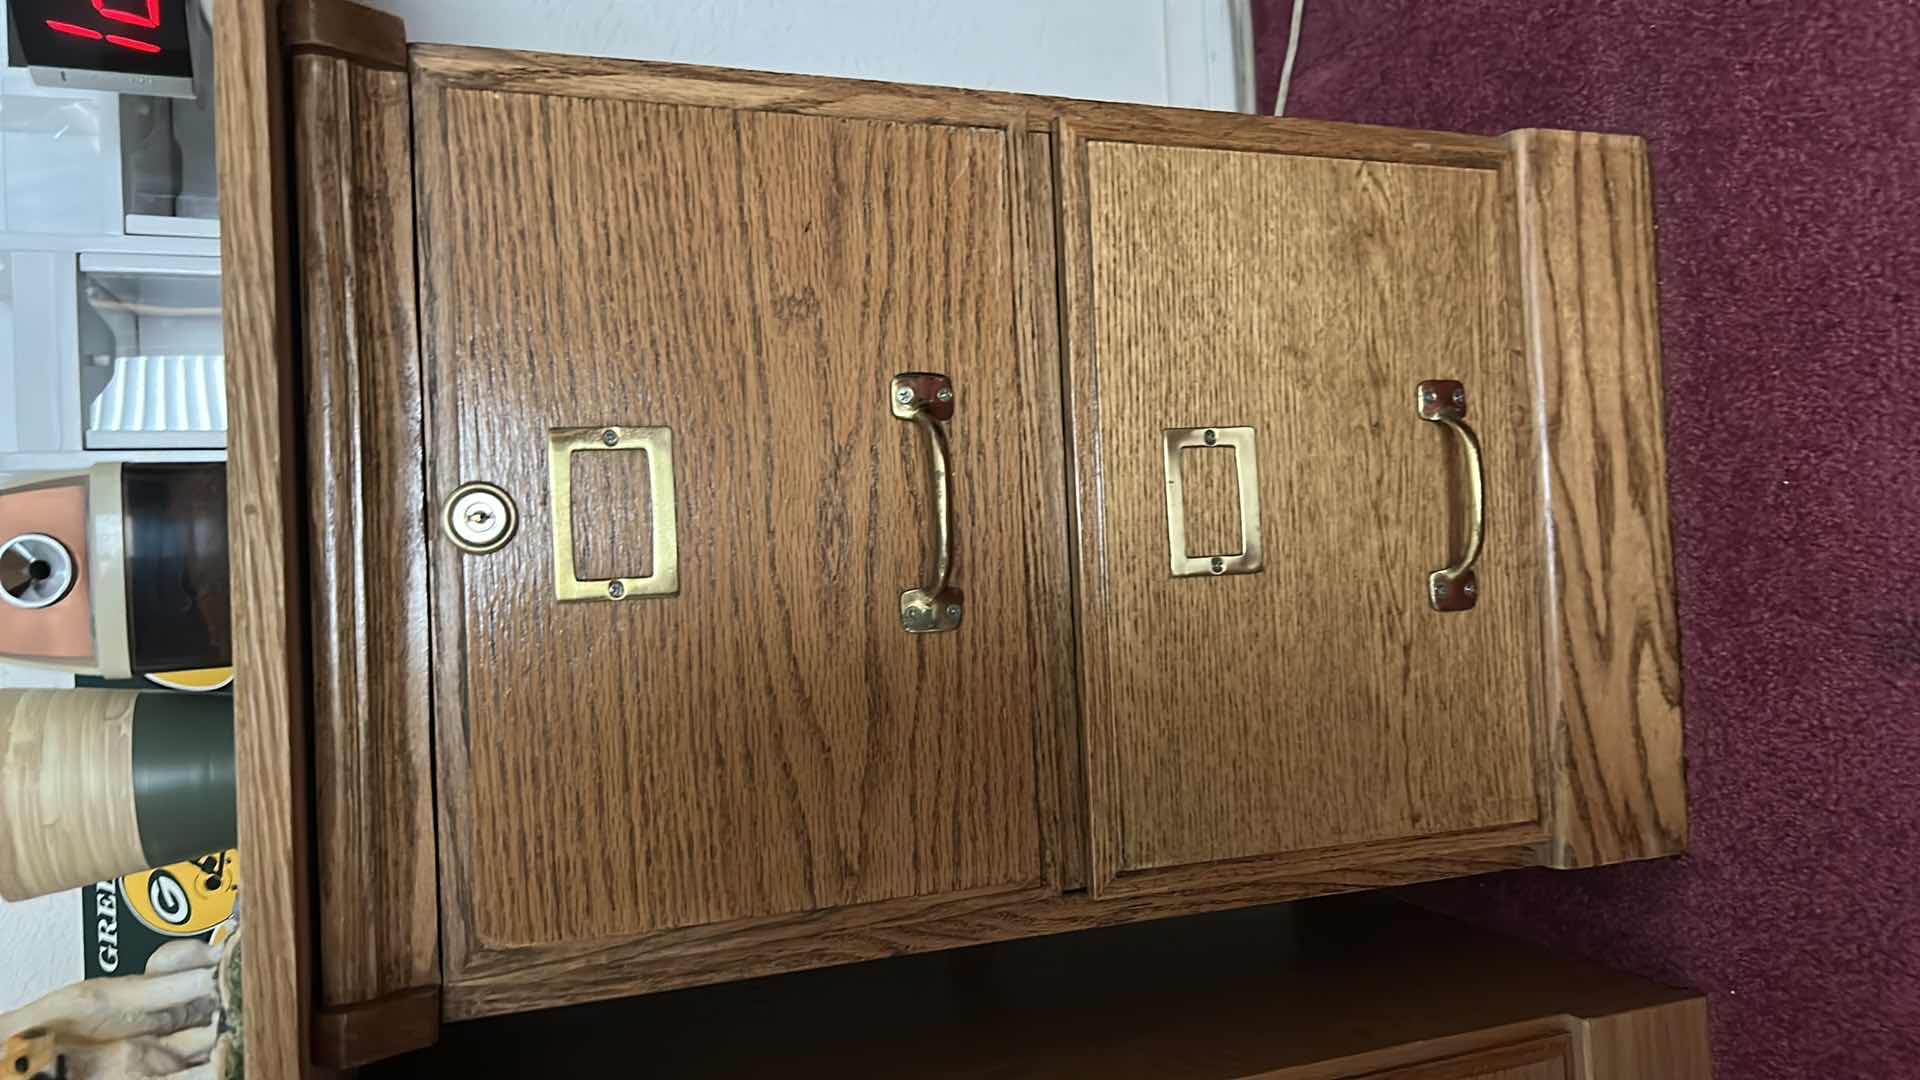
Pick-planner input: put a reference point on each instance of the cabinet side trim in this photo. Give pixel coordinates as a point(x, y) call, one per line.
point(1617, 785)
point(373, 784)
point(265, 538)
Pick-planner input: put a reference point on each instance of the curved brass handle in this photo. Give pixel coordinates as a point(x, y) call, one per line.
point(1454, 587)
point(927, 399)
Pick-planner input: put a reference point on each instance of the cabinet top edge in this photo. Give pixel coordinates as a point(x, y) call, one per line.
point(517, 71)
point(345, 29)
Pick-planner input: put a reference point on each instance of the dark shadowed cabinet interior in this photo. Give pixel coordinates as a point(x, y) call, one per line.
point(751, 523)
point(1340, 988)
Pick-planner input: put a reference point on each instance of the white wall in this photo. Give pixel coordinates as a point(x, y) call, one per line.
point(39, 947)
point(1159, 52)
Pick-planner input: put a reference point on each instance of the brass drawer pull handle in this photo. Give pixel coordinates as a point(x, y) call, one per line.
point(926, 399)
point(1454, 587)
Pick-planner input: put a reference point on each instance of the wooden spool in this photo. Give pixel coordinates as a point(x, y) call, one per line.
point(95, 784)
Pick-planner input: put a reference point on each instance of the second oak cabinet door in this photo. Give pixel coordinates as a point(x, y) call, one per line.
point(1269, 683)
point(682, 691)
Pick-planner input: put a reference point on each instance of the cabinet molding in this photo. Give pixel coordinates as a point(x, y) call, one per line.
point(372, 752)
point(265, 512)
point(1618, 783)
point(696, 956)
point(1670, 1039)
point(355, 32)
point(725, 88)
point(351, 1036)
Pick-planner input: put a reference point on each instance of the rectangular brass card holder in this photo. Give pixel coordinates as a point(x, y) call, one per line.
point(657, 442)
point(1246, 462)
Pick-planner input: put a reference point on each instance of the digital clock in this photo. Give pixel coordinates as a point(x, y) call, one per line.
point(130, 46)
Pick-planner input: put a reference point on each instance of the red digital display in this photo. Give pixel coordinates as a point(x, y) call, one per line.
point(146, 18)
point(149, 20)
point(87, 32)
point(124, 46)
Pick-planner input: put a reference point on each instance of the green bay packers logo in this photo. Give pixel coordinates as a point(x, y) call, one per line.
point(188, 898)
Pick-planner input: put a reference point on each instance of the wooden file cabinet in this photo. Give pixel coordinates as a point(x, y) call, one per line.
point(633, 662)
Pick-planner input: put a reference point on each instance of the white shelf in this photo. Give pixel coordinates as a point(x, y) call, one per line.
point(75, 243)
point(146, 226)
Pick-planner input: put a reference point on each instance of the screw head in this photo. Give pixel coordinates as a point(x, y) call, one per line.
point(1439, 588)
point(478, 518)
point(1459, 395)
point(904, 395)
point(953, 611)
point(610, 437)
point(616, 590)
point(1469, 589)
point(945, 394)
point(1218, 565)
point(1211, 437)
point(1429, 396)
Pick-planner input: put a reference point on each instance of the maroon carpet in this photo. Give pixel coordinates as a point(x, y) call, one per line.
point(1788, 195)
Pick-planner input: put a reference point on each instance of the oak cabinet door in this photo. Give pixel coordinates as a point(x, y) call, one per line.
point(763, 738)
point(1267, 684)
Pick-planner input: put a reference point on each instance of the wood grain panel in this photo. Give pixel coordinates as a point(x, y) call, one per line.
point(378, 919)
point(1219, 873)
point(1320, 702)
point(769, 741)
point(686, 84)
point(1540, 1059)
point(612, 515)
point(265, 529)
point(1669, 1040)
point(1618, 782)
point(1211, 498)
point(1436, 1051)
point(518, 980)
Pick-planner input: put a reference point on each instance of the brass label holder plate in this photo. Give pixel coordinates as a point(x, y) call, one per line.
point(1250, 559)
point(657, 442)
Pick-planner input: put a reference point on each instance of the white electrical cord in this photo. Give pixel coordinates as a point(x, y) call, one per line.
point(1286, 67)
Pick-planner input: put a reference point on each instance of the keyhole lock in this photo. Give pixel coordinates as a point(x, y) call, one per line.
point(479, 518)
